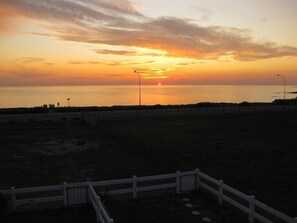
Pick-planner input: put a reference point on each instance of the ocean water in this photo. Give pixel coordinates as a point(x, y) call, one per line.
point(12, 97)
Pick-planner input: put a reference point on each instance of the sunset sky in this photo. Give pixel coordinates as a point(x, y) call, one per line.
point(81, 42)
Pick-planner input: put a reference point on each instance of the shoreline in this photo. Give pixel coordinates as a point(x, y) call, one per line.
point(47, 109)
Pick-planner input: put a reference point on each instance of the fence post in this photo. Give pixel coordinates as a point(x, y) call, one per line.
point(197, 183)
point(178, 182)
point(65, 193)
point(220, 198)
point(13, 201)
point(252, 209)
point(134, 187)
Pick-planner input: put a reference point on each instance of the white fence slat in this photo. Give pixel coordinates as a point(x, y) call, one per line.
point(65, 194)
point(178, 182)
point(188, 182)
point(134, 187)
point(70, 194)
point(197, 179)
point(83, 197)
point(76, 193)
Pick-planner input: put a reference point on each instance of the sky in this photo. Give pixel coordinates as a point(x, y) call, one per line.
point(94, 42)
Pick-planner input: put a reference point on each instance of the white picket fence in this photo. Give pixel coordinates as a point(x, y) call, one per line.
point(179, 182)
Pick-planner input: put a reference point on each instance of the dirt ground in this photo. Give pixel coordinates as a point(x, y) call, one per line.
point(254, 153)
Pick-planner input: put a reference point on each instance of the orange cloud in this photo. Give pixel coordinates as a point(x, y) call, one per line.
point(128, 52)
point(95, 21)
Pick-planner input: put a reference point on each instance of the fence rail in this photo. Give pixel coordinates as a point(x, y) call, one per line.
point(180, 181)
point(101, 212)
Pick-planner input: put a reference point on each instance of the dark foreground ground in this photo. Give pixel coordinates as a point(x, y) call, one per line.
point(70, 215)
point(255, 153)
point(171, 209)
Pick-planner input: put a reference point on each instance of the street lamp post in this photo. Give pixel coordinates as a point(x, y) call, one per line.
point(284, 79)
point(68, 99)
point(139, 86)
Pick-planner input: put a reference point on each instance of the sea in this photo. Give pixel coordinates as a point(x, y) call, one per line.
point(63, 96)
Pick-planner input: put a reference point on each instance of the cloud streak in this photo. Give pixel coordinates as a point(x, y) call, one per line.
point(128, 52)
point(29, 60)
point(109, 63)
point(118, 23)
